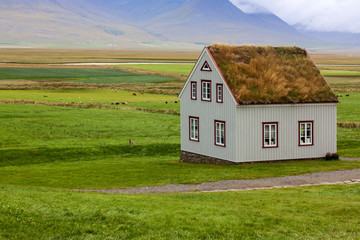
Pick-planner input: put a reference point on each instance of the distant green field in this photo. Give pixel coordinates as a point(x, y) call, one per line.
point(344, 83)
point(340, 73)
point(183, 69)
point(84, 75)
point(96, 96)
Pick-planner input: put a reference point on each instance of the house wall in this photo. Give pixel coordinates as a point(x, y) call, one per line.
point(250, 136)
point(207, 113)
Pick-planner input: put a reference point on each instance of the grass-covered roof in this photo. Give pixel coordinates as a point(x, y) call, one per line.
point(267, 75)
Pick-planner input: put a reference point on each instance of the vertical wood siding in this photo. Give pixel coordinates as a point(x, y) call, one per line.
point(249, 130)
point(208, 112)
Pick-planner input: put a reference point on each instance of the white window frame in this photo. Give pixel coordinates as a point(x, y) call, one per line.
point(270, 135)
point(206, 90)
point(194, 134)
point(219, 92)
point(193, 91)
point(220, 133)
point(306, 133)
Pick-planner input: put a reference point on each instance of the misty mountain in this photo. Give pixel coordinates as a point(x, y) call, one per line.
point(136, 23)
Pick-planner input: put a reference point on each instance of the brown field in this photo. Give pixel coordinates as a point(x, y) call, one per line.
point(336, 58)
point(44, 55)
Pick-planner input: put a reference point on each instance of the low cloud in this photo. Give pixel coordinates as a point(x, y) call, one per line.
point(320, 15)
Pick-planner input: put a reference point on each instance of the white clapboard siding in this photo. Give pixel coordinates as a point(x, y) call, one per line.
point(249, 130)
point(207, 113)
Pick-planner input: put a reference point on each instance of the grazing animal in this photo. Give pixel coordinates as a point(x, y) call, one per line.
point(175, 102)
point(134, 94)
point(124, 103)
point(117, 103)
point(347, 95)
point(45, 96)
point(166, 102)
point(142, 92)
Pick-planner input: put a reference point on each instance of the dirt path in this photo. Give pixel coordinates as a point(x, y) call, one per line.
point(322, 178)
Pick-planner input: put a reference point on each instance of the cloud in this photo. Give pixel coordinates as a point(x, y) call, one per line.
point(319, 15)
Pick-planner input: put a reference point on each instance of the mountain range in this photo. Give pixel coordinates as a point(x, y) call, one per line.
point(140, 23)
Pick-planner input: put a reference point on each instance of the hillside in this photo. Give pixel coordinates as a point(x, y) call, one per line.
point(135, 23)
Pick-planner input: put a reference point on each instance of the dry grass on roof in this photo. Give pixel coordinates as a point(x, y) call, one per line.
point(261, 75)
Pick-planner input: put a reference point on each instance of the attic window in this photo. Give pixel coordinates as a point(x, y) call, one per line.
point(270, 135)
point(206, 90)
point(193, 91)
point(219, 93)
point(306, 133)
point(206, 67)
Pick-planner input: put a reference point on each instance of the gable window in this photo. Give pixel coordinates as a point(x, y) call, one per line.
point(220, 133)
point(206, 67)
point(194, 129)
point(270, 135)
point(193, 91)
point(206, 90)
point(219, 93)
point(306, 133)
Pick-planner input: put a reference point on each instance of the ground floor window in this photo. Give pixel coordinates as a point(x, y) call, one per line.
point(220, 133)
point(306, 133)
point(194, 129)
point(270, 134)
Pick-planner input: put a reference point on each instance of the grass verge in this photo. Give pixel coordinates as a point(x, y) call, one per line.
point(318, 212)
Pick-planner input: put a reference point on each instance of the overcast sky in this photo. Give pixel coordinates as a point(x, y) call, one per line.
point(318, 15)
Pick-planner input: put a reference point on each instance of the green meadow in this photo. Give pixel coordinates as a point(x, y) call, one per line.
point(82, 75)
point(330, 72)
point(183, 69)
point(96, 98)
point(47, 150)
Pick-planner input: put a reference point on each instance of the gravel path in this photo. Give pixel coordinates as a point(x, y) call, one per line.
point(322, 178)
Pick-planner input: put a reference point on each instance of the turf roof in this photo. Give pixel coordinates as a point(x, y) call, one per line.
point(271, 75)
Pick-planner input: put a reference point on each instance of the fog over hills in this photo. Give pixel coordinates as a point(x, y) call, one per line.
point(138, 23)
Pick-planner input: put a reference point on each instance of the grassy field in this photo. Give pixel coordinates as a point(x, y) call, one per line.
point(47, 150)
point(340, 73)
point(327, 212)
point(83, 75)
point(183, 69)
point(88, 148)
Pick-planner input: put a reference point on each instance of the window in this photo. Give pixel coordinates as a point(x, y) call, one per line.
point(193, 91)
point(270, 135)
point(206, 67)
point(306, 133)
point(206, 90)
point(220, 133)
point(194, 129)
point(219, 93)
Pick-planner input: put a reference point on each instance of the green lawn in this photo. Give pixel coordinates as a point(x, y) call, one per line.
point(321, 212)
point(183, 69)
point(349, 107)
point(88, 148)
point(84, 75)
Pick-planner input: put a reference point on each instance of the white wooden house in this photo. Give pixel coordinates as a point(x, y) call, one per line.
point(249, 104)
